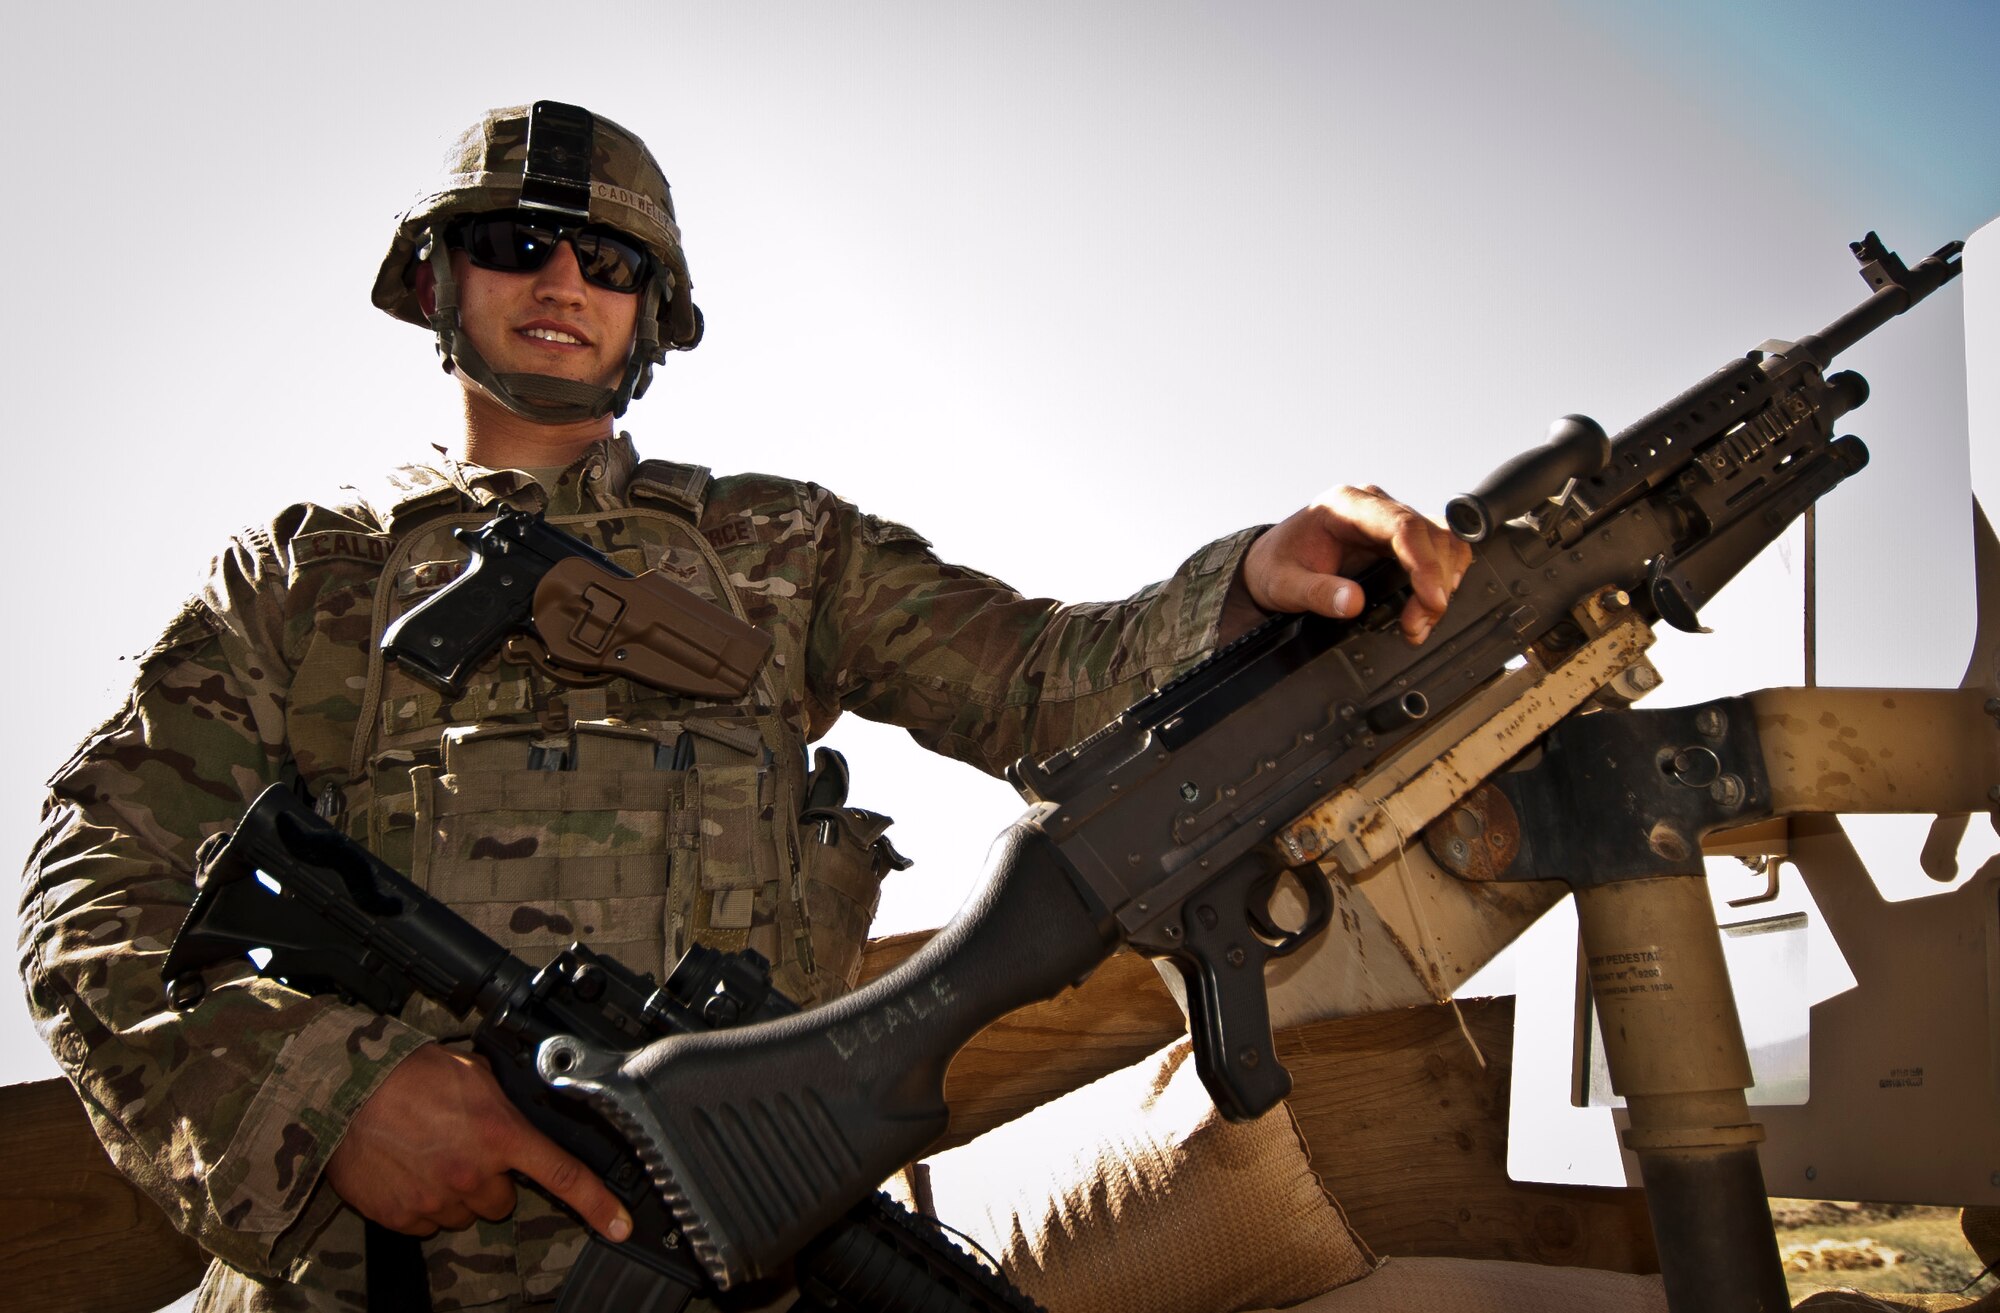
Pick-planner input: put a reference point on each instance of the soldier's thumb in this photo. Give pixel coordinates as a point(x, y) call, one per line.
point(1331, 595)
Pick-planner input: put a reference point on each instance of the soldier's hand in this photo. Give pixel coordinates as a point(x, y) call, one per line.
point(431, 1150)
point(1306, 563)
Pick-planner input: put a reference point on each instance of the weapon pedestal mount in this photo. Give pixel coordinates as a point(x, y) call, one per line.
point(1651, 784)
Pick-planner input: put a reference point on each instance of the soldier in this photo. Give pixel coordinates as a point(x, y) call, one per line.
point(270, 1125)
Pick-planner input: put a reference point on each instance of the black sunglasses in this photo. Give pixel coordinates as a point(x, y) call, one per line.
point(516, 242)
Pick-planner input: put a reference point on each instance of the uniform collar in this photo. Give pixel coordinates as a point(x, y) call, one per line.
point(596, 480)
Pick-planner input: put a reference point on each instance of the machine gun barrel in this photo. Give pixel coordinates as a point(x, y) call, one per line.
point(1897, 288)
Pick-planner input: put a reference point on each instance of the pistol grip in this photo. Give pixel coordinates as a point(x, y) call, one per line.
point(443, 637)
point(1227, 935)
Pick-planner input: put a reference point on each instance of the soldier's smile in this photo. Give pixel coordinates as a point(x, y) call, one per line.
point(546, 334)
point(549, 321)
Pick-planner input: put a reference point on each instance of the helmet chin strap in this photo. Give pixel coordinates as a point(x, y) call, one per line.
point(542, 398)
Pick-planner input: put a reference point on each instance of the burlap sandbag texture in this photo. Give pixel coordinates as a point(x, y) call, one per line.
point(1133, 1195)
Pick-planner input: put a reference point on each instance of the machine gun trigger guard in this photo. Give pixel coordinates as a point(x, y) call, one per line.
point(1279, 940)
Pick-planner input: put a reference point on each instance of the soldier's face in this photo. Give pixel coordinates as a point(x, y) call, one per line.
point(548, 322)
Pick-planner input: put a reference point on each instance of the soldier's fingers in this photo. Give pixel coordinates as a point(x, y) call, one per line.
point(494, 1200)
point(1367, 516)
point(1444, 562)
point(1417, 620)
point(1432, 578)
point(545, 1162)
point(1433, 558)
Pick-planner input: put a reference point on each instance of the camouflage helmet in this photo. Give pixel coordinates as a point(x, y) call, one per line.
point(576, 167)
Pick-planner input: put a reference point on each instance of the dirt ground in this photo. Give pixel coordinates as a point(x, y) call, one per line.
point(1879, 1247)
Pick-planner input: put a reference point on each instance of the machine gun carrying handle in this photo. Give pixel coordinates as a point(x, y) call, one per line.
point(1577, 447)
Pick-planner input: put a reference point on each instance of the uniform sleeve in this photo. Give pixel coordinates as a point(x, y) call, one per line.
point(225, 1114)
point(978, 672)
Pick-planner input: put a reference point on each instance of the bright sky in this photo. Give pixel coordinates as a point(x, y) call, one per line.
point(1072, 288)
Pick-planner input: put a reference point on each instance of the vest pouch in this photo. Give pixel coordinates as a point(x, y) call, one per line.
point(539, 840)
point(382, 811)
point(847, 854)
point(748, 892)
point(739, 882)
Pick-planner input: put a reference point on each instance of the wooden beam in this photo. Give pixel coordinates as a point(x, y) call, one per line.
point(74, 1233)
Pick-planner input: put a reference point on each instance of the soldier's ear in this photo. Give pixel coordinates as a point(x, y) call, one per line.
point(423, 281)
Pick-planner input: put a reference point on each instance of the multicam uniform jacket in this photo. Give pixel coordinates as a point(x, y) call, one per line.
point(630, 819)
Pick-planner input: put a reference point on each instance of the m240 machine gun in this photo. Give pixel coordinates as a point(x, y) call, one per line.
point(1171, 828)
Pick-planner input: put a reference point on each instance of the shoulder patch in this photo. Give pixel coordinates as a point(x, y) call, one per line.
point(736, 529)
point(191, 624)
point(684, 486)
point(878, 532)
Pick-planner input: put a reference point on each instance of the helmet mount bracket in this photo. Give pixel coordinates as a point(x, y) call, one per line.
point(556, 178)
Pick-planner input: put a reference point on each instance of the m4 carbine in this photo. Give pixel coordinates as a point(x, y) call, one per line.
point(1170, 828)
point(329, 917)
